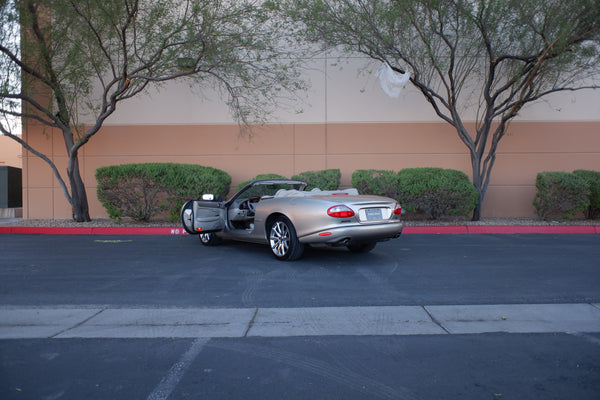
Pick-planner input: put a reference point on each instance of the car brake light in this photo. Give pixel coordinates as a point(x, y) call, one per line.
point(397, 209)
point(340, 211)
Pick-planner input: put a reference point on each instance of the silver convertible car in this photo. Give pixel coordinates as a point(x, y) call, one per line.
point(283, 215)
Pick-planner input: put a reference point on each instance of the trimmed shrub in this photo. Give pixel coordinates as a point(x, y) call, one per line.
point(436, 192)
point(376, 181)
point(327, 179)
point(259, 177)
point(561, 195)
point(144, 191)
point(593, 180)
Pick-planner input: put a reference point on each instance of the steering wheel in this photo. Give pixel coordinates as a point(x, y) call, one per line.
point(251, 203)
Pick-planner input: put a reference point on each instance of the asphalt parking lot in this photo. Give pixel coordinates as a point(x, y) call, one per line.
point(421, 317)
point(177, 271)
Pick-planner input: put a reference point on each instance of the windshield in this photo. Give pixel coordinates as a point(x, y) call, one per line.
point(269, 189)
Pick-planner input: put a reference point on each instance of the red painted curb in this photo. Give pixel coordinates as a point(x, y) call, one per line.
point(435, 230)
point(408, 230)
point(50, 231)
point(140, 231)
point(566, 229)
point(502, 229)
point(94, 230)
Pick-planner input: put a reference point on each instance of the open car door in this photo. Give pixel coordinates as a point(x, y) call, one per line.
point(203, 216)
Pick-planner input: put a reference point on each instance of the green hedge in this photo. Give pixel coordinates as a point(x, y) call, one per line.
point(561, 195)
point(436, 192)
point(593, 180)
point(144, 191)
point(327, 179)
point(376, 181)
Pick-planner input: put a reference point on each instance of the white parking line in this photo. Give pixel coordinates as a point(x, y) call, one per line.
point(169, 382)
point(106, 322)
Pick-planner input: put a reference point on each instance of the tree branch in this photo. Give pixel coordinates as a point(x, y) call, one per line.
point(26, 146)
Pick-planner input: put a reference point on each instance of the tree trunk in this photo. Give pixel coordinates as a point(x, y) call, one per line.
point(478, 183)
point(79, 200)
point(477, 210)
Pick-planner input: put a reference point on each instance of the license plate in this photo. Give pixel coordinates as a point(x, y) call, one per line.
point(374, 214)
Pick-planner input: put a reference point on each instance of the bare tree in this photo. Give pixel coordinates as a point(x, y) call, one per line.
point(80, 58)
point(494, 55)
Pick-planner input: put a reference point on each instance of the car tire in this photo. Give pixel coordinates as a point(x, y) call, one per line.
point(209, 239)
point(284, 241)
point(362, 247)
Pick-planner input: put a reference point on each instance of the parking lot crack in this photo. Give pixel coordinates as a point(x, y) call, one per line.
point(435, 321)
point(77, 325)
point(251, 323)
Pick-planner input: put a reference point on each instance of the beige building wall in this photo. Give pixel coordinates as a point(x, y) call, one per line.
point(10, 152)
point(345, 121)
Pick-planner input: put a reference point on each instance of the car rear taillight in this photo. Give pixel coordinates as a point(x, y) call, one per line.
point(340, 211)
point(397, 209)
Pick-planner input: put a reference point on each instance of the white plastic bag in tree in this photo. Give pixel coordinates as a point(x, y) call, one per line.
point(392, 82)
